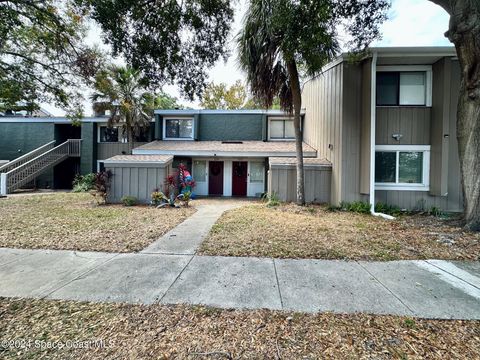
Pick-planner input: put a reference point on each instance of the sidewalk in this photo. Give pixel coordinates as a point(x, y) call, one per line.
point(169, 272)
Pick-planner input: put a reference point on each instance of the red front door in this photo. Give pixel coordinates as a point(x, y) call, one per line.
point(239, 178)
point(215, 178)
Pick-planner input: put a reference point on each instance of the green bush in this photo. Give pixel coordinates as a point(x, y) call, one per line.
point(388, 209)
point(271, 199)
point(83, 183)
point(129, 200)
point(435, 211)
point(361, 207)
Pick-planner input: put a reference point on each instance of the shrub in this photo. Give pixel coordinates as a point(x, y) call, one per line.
point(185, 197)
point(435, 211)
point(129, 200)
point(361, 207)
point(271, 199)
point(388, 209)
point(158, 197)
point(83, 183)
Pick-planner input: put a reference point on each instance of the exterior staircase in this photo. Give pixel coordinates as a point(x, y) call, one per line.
point(26, 168)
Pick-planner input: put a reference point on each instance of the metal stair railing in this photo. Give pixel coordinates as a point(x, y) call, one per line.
point(29, 170)
point(26, 157)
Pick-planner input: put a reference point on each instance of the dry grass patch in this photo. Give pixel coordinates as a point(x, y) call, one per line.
point(71, 221)
point(289, 231)
point(181, 332)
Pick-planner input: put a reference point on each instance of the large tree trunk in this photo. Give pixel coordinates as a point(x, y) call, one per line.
point(297, 106)
point(464, 32)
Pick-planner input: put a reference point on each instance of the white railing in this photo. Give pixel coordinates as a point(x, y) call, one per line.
point(27, 171)
point(26, 157)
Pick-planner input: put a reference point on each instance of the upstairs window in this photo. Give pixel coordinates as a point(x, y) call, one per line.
point(403, 88)
point(178, 129)
point(281, 129)
point(108, 134)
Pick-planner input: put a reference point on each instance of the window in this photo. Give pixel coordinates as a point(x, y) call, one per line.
point(404, 88)
point(281, 129)
point(256, 172)
point(200, 170)
point(108, 134)
point(178, 129)
point(402, 167)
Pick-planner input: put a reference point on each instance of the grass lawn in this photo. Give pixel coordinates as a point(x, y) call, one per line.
point(71, 221)
point(289, 231)
point(182, 332)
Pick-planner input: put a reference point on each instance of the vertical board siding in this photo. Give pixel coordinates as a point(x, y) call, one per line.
point(351, 133)
point(323, 97)
point(135, 181)
point(282, 182)
point(365, 127)
point(108, 150)
point(413, 123)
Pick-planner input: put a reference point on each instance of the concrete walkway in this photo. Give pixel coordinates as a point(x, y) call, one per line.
point(169, 272)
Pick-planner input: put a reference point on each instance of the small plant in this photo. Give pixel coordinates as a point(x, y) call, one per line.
point(185, 198)
point(129, 200)
point(435, 211)
point(356, 206)
point(271, 199)
point(83, 183)
point(101, 186)
point(409, 323)
point(158, 197)
point(388, 209)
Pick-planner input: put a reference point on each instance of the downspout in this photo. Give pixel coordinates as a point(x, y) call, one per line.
point(373, 116)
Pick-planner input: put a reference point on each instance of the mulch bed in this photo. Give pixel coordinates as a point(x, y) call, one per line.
point(183, 332)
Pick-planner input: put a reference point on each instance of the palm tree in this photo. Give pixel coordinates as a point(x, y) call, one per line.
point(270, 53)
point(282, 38)
point(121, 90)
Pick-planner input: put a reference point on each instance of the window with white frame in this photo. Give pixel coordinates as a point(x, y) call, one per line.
point(115, 134)
point(256, 172)
point(281, 129)
point(403, 167)
point(409, 86)
point(178, 129)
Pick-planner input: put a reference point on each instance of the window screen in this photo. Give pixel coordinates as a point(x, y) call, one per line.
point(410, 167)
point(199, 170)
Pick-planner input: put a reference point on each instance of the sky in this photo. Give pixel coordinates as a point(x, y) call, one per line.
point(410, 23)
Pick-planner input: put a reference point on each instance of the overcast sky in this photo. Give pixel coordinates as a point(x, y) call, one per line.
point(411, 23)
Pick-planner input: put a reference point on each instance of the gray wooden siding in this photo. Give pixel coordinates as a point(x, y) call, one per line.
point(439, 159)
point(107, 150)
point(413, 123)
point(283, 182)
point(136, 180)
point(322, 98)
point(333, 103)
point(415, 200)
point(351, 132)
point(365, 127)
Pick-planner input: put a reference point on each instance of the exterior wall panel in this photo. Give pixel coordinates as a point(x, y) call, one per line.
point(412, 123)
point(322, 97)
point(218, 127)
point(282, 181)
point(136, 180)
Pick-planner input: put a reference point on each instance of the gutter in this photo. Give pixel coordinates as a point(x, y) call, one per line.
point(373, 115)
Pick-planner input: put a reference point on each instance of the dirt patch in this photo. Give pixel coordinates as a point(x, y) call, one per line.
point(182, 332)
point(71, 221)
point(289, 231)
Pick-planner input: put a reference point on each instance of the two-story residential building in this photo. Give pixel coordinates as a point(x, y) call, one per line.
point(379, 130)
